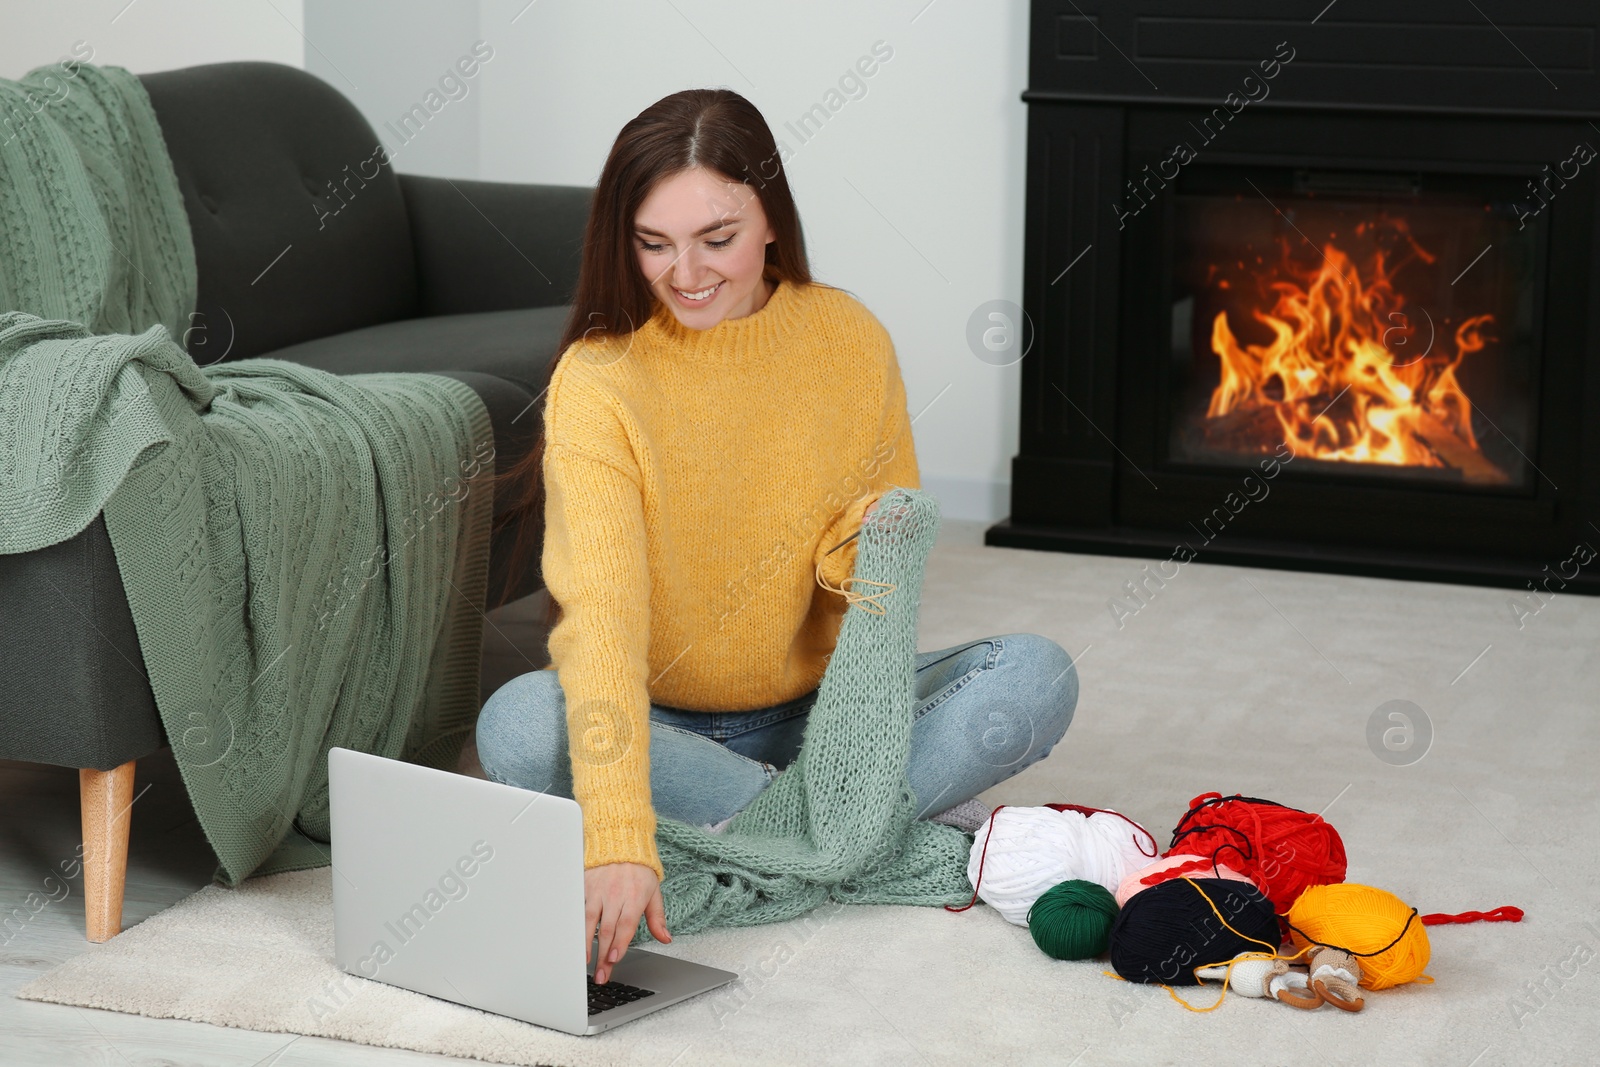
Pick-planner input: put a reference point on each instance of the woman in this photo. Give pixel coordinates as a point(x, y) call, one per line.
point(715, 429)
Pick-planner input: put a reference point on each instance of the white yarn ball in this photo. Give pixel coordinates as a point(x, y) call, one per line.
point(1035, 848)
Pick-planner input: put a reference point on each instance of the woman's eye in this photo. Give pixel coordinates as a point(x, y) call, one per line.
point(648, 247)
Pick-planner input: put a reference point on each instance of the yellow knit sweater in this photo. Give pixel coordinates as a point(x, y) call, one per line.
point(694, 479)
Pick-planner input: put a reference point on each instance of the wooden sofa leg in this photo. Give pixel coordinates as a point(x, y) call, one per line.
point(106, 798)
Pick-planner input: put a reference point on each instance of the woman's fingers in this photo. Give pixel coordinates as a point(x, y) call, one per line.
point(627, 926)
point(608, 927)
point(655, 916)
point(615, 897)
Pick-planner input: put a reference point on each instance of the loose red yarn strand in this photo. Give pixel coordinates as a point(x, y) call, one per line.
point(1081, 810)
point(1198, 864)
point(986, 839)
point(1504, 914)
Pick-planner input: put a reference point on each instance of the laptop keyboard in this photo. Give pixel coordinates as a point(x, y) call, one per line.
point(613, 995)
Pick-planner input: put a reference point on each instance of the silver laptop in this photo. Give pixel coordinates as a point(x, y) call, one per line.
point(472, 891)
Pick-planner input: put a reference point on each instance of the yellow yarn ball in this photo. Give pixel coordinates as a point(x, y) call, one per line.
point(1358, 919)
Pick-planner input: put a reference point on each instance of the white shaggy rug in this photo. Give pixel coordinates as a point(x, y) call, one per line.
point(848, 985)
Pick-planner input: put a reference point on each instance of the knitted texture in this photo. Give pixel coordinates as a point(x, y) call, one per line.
point(92, 226)
point(304, 555)
point(839, 822)
point(694, 479)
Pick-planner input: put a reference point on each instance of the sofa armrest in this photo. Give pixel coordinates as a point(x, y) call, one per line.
point(494, 246)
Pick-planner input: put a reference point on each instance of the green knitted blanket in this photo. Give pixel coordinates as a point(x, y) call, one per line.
point(838, 823)
point(305, 555)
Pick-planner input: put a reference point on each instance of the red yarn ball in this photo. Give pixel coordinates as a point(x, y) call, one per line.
point(1283, 850)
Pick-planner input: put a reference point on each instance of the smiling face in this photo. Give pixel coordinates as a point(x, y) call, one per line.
point(701, 241)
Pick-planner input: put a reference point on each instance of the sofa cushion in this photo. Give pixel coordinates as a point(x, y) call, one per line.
point(515, 345)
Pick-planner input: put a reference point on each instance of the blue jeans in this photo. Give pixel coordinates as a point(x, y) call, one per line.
point(984, 710)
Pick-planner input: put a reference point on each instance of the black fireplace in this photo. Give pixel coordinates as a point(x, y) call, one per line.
point(1314, 292)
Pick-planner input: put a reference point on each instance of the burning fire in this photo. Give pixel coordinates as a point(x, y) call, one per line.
point(1329, 380)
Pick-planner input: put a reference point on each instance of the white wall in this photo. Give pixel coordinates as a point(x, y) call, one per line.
point(396, 59)
point(911, 194)
point(149, 35)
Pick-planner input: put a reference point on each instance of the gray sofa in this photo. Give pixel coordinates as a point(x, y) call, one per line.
point(309, 249)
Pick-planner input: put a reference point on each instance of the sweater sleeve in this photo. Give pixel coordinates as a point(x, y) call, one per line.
point(893, 462)
point(596, 568)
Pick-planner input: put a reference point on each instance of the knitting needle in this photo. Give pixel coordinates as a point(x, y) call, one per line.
point(841, 544)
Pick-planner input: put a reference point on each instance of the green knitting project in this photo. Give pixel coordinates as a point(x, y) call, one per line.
point(839, 822)
point(305, 555)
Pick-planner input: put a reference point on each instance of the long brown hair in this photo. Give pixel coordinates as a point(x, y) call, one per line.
point(712, 128)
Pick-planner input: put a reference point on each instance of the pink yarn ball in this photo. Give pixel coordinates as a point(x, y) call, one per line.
point(1170, 867)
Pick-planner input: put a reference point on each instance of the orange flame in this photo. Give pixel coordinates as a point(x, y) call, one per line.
point(1337, 390)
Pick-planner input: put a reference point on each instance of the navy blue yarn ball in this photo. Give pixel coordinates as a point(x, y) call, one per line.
point(1164, 932)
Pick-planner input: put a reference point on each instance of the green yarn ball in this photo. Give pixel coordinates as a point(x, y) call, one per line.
point(1072, 921)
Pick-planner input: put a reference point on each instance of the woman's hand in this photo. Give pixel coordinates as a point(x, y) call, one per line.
point(614, 896)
